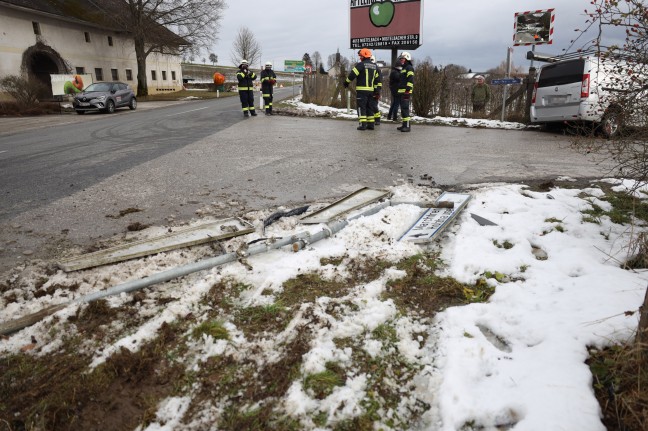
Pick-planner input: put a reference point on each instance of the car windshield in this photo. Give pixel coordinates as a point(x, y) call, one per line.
point(100, 86)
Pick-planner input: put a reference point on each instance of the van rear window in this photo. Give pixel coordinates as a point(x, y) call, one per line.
point(567, 72)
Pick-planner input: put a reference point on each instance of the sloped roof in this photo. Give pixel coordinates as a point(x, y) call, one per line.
point(108, 14)
point(96, 13)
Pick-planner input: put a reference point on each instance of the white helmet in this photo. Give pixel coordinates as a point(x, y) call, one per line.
point(406, 55)
point(373, 58)
point(244, 62)
point(268, 64)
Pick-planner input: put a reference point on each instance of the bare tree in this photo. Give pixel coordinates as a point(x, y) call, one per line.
point(333, 59)
point(165, 26)
point(317, 59)
point(627, 150)
point(245, 47)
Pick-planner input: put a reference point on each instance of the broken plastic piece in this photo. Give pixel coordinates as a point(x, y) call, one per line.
point(482, 221)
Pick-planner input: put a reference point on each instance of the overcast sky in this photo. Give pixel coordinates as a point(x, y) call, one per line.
point(471, 33)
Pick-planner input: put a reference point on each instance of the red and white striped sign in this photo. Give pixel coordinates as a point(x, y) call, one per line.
point(534, 27)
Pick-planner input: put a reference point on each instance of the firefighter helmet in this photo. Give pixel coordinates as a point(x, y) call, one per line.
point(406, 55)
point(364, 53)
point(268, 65)
point(243, 62)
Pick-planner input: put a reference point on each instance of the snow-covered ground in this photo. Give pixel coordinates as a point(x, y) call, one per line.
point(384, 109)
point(515, 361)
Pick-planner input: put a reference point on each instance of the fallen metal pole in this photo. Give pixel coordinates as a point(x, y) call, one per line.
point(298, 242)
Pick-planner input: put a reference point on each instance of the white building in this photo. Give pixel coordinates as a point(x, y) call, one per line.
point(43, 37)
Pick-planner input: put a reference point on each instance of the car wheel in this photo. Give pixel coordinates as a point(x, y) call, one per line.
point(133, 104)
point(110, 106)
point(611, 124)
point(80, 112)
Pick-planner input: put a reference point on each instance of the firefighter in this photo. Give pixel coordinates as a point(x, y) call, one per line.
point(376, 95)
point(268, 80)
point(405, 88)
point(246, 88)
point(367, 76)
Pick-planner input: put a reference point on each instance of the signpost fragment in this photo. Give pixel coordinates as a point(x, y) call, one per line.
point(434, 220)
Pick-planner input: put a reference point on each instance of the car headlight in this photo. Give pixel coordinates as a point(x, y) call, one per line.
point(101, 98)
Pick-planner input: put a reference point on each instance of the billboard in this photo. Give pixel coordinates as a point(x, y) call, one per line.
point(69, 84)
point(385, 24)
point(294, 66)
point(533, 27)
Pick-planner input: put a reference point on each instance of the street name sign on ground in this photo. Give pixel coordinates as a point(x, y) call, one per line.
point(355, 200)
point(214, 231)
point(434, 220)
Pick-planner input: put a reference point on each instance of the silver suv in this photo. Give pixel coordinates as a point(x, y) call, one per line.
point(104, 96)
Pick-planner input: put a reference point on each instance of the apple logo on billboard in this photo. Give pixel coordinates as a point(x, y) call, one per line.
point(381, 13)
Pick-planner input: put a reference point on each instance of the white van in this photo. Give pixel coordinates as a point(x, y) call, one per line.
point(583, 90)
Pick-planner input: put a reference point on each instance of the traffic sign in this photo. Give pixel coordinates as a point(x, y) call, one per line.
point(294, 66)
point(506, 81)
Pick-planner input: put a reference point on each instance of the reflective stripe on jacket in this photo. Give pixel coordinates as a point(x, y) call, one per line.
point(266, 76)
point(406, 79)
point(245, 81)
point(367, 75)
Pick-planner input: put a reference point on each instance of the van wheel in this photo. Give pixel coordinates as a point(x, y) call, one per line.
point(610, 126)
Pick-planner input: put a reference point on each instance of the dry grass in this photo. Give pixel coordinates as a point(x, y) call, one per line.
point(621, 386)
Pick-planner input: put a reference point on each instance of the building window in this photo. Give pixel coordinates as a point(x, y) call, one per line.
point(129, 75)
point(173, 75)
point(164, 75)
point(80, 70)
point(87, 36)
point(153, 75)
point(36, 28)
point(115, 74)
point(99, 74)
point(110, 42)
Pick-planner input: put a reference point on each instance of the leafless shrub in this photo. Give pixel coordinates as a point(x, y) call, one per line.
point(25, 92)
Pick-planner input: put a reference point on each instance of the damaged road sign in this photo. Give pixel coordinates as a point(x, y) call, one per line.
point(434, 220)
point(209, 232)
point(347, 204)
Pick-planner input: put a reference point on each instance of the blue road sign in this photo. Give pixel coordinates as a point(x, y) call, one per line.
point(506, 81)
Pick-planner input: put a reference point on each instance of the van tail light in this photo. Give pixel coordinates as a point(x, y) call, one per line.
point(585, 86)
point(535, 92)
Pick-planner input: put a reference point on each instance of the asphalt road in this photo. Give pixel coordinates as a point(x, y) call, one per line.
point(65, 179)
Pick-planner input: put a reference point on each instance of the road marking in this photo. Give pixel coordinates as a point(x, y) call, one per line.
point(3, 151)
point(185, 112)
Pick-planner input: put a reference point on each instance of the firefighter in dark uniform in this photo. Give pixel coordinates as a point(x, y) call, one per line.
point(405, 88)
point(246, 88)
point(377, 91)
point(367, 75)
point(268, 80)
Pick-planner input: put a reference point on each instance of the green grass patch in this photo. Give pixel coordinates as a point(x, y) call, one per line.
point(309, 287)
point(272, 317)
point(214, 328)
point(322, 384)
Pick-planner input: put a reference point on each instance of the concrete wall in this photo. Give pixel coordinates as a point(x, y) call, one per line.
point(69, 41)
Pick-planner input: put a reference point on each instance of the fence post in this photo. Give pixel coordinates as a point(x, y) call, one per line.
point(530, 82)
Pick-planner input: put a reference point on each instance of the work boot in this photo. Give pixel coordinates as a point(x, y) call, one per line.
point(389, 117)
point(245, 114)
point(377, 122)
point(253, 113)
point(405, 127)
point(267, 112)
point(362, 126)
point(370, 126)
